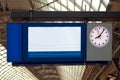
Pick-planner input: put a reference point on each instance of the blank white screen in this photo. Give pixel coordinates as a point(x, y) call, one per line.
point(54, 39)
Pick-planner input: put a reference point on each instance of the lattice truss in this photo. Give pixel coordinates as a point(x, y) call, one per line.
point(8, 72)
point(70, 5)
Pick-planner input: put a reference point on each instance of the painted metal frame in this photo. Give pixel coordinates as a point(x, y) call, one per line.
point(17, 40)
point(65, 16)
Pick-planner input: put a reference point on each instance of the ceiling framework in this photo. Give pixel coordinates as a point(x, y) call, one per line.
point(9, 72)
point(44, 72)
point(71, 72)
point(73, 5)
point(113, 67)
point(100, 72)
point(3, 30)
point(87, 72)
point(4, 18)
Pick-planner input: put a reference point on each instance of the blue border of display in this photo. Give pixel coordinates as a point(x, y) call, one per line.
point(14, 42)
point(50, 57)
point(17, 45)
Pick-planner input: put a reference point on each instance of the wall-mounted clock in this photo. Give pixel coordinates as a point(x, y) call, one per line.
point(99, 36)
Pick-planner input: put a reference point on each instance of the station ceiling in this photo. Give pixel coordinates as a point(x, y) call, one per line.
point(46, 72)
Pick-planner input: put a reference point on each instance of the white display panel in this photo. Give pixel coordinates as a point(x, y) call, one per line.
point(54, 39)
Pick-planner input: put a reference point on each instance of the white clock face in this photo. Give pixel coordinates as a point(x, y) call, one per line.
point(99, 36)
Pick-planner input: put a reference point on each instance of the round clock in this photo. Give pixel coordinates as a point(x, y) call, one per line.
point(99, 36)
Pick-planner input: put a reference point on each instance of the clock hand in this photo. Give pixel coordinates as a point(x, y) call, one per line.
point(102, 31)
point(100, 34)
point(97, 37)
point(97, 31)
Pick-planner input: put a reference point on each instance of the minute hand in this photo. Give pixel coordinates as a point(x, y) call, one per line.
point(100, 34)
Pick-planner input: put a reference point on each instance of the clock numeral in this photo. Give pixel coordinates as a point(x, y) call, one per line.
point(107, 36)
point(105, 40)
point(91, 35)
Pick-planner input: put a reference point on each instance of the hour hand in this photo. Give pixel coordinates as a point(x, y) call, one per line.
point(100, 34)
point(97, 37)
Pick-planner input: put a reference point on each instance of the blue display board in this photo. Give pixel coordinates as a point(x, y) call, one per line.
point(46, 42)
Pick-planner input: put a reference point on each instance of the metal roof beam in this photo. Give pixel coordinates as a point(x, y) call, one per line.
point(65, 16)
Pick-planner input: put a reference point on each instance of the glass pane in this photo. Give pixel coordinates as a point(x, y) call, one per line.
point(77, 9)
point(106, 2)
point(64, 9)
point(79, 2)
point(64, 2)
point(50, 1)
point(70, 5)
point(88, 1)
point(51, 9)
point(95, 4)
point(102, 8)
point(57, 6)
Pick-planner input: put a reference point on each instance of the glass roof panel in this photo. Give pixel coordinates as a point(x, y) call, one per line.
point(51, 9)
point(70, 5)
point(88, 0)
point(79, 2)
point(106, 2)
point(78, 5)
point(64, 2)
point(57, 6)
point(77, 9)
point(63, 8)
point(49, 1)
point(52, 4)
point(102, 7)
point(71, 72)
point(95, 4)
